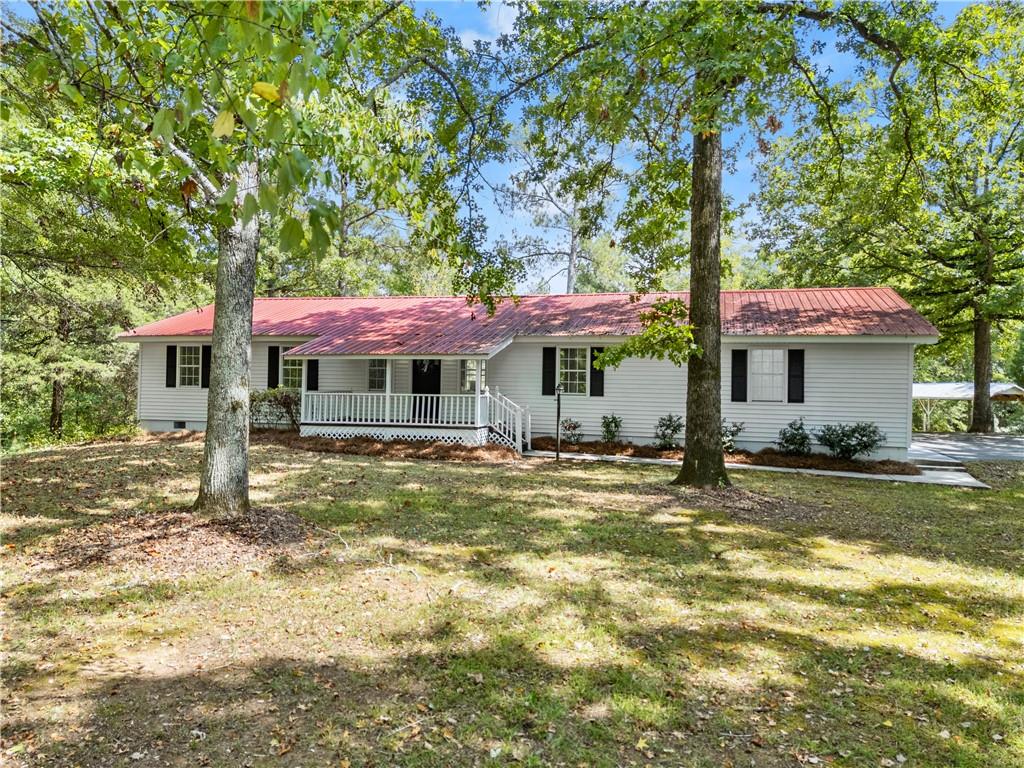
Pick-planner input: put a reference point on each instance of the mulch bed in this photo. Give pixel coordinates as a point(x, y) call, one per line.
point(178, 541)
point(767, 457)
point(396, 449)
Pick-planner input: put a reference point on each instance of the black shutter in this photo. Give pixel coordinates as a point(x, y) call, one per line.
point(273, 366)
point(547, 378)
point(739, 376)
point(204, 373)
point(596, 374)
point(795, 386)
point(312, 375)
point(171, 372)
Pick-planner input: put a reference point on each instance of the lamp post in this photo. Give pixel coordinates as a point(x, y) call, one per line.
point(558, 423)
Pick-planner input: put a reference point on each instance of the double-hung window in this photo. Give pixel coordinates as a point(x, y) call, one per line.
point(189, 366)
point(767, 375)
point(467, 375)
point(573, 367)
point(378, 376)
point(291, 372)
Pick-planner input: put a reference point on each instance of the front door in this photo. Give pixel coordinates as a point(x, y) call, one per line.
point(426, 380)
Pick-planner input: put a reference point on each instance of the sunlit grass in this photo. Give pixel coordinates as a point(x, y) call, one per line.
point(465, 614)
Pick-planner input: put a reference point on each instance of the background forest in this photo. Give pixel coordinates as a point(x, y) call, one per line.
point(91, 247)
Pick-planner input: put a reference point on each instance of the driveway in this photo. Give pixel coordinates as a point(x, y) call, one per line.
point(967, 447)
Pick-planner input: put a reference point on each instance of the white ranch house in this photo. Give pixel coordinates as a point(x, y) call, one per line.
point(438, 368)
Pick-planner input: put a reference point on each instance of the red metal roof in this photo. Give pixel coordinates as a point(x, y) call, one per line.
point(448, 325)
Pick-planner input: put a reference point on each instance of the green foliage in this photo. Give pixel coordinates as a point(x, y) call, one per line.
point(89, 251)
point(611, 426)
point(848, 441)
point(666, 334)
point(729, 434)
point(271, 408)
point(367, 99)
point(794, 439)
point(572, 431)
point(667, 431)
point(928, 201)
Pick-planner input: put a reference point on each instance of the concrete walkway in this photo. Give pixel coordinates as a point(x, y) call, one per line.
point(957, 447)
point(952, 476)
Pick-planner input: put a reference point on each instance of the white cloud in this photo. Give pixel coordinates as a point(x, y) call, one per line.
point(499, 19)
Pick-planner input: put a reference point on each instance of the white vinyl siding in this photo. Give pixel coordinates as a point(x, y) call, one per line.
point(767, 375)
point(843, 382)
point(189, 366)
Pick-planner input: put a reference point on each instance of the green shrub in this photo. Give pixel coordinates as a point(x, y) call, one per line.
point(611, 426)
point(273, 407)
point(848, 441)
point(729, 434)
point(667, 430)
point(572, 431)
point(794, 439)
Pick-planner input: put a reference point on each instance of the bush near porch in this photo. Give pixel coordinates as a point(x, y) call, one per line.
point(466, 614)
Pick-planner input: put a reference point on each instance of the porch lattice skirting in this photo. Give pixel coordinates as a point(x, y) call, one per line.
point(453, 436)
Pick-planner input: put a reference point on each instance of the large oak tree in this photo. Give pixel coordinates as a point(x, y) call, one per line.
point(666, 80)
point(249, 104)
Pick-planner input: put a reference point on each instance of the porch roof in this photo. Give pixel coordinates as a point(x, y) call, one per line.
point(449, 325)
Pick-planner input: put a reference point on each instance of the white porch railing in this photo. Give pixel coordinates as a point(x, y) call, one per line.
point(379, 408)
point(506, 420)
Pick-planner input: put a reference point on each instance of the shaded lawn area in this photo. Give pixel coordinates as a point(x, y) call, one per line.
point(518, 614)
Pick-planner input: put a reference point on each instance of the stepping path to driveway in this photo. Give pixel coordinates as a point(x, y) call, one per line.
point(954, 476)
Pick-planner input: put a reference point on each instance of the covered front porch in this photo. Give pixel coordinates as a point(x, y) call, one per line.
point(445, 399)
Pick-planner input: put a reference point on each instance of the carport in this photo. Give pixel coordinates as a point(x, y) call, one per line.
point(930, 392)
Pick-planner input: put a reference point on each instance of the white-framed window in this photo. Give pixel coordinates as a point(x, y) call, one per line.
point(189, 366)
point(467, 375)
point(291, 373)
point(378, 376)
point(767, 375)
point(573, 369)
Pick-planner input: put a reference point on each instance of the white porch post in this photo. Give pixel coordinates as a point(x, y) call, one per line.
point(387, 390)
point(478, 403)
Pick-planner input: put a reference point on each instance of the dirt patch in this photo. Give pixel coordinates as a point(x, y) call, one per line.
point(177, 541)
point(767, 457)
point(750, 506)
point(398, 449)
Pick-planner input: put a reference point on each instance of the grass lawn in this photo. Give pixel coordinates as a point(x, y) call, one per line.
point(531, 614)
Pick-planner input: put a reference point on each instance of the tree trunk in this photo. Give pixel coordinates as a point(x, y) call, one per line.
point(57, 407)
point(703, 463)
point(981, 413)
point(57, 385)
point(224, 486)
point(570, 270)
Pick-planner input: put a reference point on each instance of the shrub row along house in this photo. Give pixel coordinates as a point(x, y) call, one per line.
point(438, 368)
